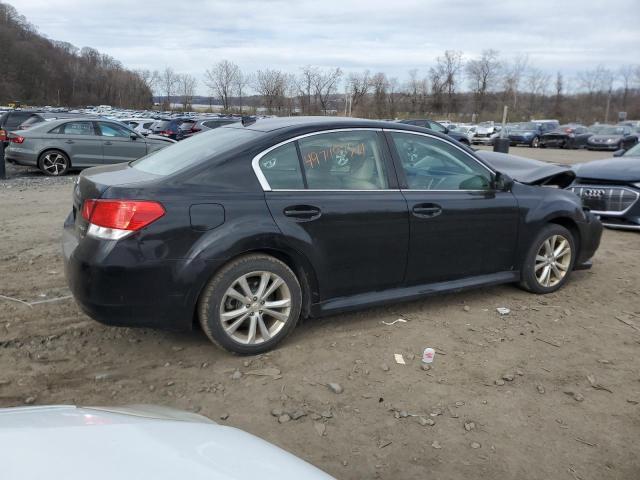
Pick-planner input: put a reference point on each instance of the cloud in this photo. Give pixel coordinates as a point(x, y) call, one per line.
point(393, 37)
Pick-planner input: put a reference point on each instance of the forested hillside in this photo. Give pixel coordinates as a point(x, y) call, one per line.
point(38, 71)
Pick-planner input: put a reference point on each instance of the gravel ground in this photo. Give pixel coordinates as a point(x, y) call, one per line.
point(549, 391)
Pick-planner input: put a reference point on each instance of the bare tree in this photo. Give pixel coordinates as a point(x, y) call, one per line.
point(325, 84)
point(359, 85)
point(187, 89)
point(393, 91)
point(271, 85)
point(168, 82)
point(448, 68)
point(627, 73)
point(222, 79)
point(482, 74)
point(242, 81)
point(416, 89)
point(379, 86)
point(559, 90)
point(537, 82)
point(306, 83)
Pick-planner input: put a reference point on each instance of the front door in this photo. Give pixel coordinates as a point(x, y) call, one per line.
point(331, 196)
point(119, 145)
point(460, 226)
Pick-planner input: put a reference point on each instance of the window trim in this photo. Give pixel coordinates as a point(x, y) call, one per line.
point(264, 183)
point(402, 174)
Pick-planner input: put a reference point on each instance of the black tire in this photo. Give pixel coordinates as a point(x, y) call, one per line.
point(54, 163)
point(529, 280)
point(535, 142)
point(209, 304)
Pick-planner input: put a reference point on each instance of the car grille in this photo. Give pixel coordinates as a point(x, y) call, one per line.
point(603, 198)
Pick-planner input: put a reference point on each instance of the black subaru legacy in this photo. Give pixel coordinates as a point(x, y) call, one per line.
point(249, 227)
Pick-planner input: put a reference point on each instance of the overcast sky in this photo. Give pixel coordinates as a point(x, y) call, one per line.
point(392, 36)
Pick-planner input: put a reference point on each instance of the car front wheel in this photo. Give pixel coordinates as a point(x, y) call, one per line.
point(251, 305)
point(535, 143)
point(549, 261)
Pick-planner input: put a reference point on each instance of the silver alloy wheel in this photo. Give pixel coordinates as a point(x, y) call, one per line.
point(535, 143)
point(553, 261)
point(255, 307)
point(54, 163)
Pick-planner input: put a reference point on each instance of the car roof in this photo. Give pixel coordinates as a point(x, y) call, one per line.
point(322, 123)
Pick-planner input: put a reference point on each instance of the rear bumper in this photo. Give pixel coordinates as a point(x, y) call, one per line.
point(115, 284)
point(19, 157)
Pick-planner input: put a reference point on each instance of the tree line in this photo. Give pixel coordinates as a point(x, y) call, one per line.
point(455, 87)
point(38, 71)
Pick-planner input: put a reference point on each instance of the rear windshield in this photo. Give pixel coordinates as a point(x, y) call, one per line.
point(195, 150)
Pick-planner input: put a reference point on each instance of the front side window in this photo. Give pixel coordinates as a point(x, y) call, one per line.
point(433, 164)
point(113, 130)
point(281, 168)
point(77, 128)
point(343, 161)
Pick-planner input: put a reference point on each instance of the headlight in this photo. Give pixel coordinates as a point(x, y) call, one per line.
point(610, 140)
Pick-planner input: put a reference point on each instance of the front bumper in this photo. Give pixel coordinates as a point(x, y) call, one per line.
point(590, 236)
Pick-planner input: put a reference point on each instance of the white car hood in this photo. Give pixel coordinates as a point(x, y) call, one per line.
point(65, 442)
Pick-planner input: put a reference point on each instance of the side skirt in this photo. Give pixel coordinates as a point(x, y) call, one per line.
point(372, 299)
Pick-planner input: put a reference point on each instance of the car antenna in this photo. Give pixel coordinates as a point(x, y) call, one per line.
point(248, 120)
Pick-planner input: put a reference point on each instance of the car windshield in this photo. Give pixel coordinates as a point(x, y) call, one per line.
point(528, 126)
point(609, 130)
point(633, 152)
point(194, 150)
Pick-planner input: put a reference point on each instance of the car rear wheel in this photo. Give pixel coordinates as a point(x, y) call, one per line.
point(251, 305)
point(54, 163)
point(535, 143)
point(549, 261)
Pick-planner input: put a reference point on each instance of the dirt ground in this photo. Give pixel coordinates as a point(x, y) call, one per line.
point(544, 420)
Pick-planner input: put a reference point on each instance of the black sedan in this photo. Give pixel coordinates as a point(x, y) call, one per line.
point(612, 137)
point(566, 136)
point(251, 226)
point(611, 189)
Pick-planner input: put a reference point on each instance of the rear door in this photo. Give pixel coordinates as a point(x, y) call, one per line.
point(460, 226)
point(118, 145)
point(334, 195)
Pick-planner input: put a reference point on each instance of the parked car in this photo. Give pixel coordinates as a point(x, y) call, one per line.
point(204, 124)
point(611, 188)
point(612, 137)
point(485, 133)
point(169, 128)
point(529, 133)
point(140, 125)
point(566, 136)
point(436, 127)
point(57, 146)
point(467, 130)
point(248, 227)
point(11, 120)
point(136, 442)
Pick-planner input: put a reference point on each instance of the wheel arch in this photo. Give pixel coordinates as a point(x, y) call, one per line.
point(300, 266)
point(571, 225)
point(53, 149)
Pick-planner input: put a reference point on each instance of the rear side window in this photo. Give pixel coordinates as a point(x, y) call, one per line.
point(75, 128)
point(198, 149)
point(16, 118)
point(343, 161)
point(281, 168)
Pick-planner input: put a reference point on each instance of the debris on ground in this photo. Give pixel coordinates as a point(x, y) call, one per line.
point(503, 310)
point(335, 387)
point(399, 358)
point(399, 320)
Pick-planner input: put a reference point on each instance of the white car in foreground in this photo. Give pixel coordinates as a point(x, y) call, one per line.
point(134, 443)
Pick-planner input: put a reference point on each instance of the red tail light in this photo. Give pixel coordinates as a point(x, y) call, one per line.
point(16, 139)
point(130, 215)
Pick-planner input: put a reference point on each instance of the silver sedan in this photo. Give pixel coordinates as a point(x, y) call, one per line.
point(57, 146)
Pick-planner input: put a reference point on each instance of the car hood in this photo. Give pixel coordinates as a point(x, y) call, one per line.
point(527, 170)
point(600, 138)
point(613, 169)
point(72, 443)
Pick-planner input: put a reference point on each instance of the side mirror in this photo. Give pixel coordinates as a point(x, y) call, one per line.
point(502, 182)
point(446, 130)
point(619, 153)
point(133, 136)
